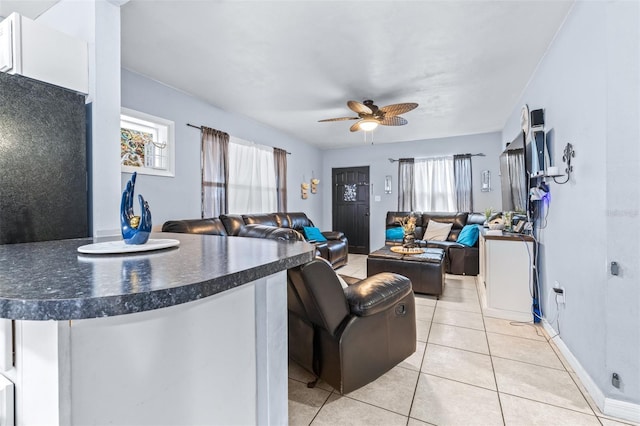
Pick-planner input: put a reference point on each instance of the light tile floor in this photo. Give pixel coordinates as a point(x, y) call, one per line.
point(467, 370)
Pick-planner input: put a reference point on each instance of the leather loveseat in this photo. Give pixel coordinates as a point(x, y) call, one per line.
point(349, 337)
point(459, 259)
point(280, 226)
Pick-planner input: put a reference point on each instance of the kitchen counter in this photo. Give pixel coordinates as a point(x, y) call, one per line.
point(52, 281)
point(194, 334)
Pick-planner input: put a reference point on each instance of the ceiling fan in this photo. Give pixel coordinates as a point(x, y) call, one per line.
point(371, 116)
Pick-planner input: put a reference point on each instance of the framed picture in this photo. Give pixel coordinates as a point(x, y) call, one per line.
point(146, 144)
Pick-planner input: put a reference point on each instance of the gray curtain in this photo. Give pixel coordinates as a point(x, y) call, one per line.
point(280, 159)
point(463, 184)
point(214, 172)
point(515, 162)
point(406, 185)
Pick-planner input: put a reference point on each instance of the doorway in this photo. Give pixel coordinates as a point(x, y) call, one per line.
point(350, 206)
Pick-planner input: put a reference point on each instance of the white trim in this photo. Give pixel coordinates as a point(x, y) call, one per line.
point(608, 406)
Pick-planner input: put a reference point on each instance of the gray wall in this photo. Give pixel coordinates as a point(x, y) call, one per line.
point(588, 84)
point(377, 156)
point(179, 197)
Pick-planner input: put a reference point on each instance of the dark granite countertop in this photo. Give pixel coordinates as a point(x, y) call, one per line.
point(52, 281)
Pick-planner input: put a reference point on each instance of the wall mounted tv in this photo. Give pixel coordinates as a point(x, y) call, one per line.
point(513, 175)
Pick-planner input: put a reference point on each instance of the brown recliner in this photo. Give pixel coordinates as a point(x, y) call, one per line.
point(349, 337)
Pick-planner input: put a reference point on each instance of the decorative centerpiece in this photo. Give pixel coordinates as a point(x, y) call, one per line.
point(408, 224)
point(135, 229)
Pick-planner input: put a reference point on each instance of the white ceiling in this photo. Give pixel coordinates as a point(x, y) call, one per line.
point(29, 8)
point(289, 64)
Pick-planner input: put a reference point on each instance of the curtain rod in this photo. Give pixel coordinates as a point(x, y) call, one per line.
point(480, 154)
point(200, 128)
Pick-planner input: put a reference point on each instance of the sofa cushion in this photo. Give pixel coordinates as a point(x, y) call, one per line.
point(233, 223)
point(458, 219)
point(270, 232)
point(260, 219)
point(396, 233)
point(313, 233)
point(469, 235)
point(437, 231)
point(212, 226)
point(298, 221)
point(394, 218)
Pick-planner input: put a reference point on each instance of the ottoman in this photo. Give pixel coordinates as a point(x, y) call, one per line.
point(425, 270)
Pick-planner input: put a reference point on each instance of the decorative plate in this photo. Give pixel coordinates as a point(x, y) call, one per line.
point(405, 250)
point(117, 247)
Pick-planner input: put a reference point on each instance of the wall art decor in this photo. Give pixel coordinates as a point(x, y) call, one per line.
point(146, 144)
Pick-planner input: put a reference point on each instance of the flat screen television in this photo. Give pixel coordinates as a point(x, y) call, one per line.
point(513, 175)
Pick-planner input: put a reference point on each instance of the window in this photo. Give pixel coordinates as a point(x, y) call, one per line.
point(435, 185)
point(252, 178)
point(146, 144)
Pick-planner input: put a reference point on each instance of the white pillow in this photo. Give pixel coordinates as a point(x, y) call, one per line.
point(343, 283)
point(437, 231)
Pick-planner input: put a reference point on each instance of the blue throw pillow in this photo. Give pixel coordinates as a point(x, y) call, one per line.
point(394, 233)
point(312, 233)
point(469, 235)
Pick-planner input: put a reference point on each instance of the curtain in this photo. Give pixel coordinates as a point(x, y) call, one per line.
point(214, 172)
point(406, 190)
point(515, 163)
point(280, 161)
point(252, 178)
point(434, 185)
point(462, 182)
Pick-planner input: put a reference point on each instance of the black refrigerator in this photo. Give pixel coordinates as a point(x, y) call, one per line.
point(43, 162)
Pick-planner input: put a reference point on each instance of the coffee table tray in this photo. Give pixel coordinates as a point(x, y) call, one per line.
point(405, 250)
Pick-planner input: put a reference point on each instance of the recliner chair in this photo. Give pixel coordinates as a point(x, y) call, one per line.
point(349, 337)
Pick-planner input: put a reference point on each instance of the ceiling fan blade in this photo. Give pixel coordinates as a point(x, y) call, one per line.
point(393, 121)
point(338, 119)
point(355, 127)
point(358, 107)
point(397, 109)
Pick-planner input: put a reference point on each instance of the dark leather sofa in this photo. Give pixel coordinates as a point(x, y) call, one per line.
point(349, 337)
point(280, 226)
point(459, 259)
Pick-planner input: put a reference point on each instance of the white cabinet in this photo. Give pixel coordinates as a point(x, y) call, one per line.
point(506, 276)
point(33, 50)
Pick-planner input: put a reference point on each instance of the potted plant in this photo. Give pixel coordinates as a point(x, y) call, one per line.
point(487, 215)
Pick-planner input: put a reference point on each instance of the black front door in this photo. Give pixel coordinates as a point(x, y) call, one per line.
point(351, 206)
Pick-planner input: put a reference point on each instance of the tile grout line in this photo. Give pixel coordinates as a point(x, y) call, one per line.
point(493, 368)
point(424, 355)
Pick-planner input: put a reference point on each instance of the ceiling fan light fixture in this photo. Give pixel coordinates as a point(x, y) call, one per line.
point(368, 125)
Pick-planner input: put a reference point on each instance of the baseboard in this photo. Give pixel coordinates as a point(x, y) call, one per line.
point(608, 406)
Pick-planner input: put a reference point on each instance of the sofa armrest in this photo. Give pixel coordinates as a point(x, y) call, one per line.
point(377, 293)
point(333, 235)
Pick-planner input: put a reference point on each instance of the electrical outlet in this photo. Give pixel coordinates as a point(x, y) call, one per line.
point(561, 296)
